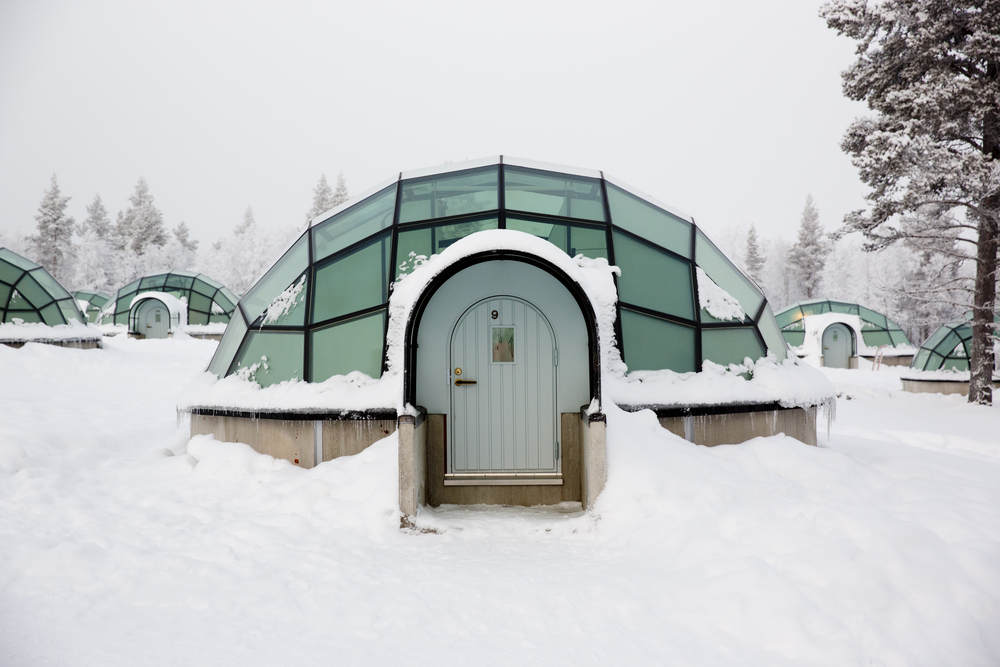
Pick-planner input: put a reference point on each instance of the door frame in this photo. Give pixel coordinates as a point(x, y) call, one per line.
point(853, 347)
point(451, 440)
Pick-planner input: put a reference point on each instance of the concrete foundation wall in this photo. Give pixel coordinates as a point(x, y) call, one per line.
point(732, 429)
point(412, 464)
point(939, 386)
point(295, 440)
point(75, 344)
point(893, 361)
point(595, 456)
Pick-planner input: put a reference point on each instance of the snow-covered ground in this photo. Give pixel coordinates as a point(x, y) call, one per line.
point(123, 544)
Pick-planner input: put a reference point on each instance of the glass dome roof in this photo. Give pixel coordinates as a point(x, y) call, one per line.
point(29, 293)
point(95, 302)
point(208, 301)
point(876, 328)
point(948, 348)
point(321, 310)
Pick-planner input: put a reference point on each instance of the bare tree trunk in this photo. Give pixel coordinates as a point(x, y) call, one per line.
point(981, 363)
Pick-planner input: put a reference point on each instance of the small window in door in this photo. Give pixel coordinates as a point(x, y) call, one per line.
point(834, 333)
point(503, 345)
point(157, 316)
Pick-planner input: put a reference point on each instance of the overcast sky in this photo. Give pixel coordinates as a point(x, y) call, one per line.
point(730, 111)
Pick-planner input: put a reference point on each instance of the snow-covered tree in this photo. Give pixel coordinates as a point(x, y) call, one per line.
point(808, 255)
point(239, 259)
point(340, 195)
point(97, 219)
point(94, 267)
point(322, 198)
point(52, 244)
point(753, 258)
point(778, 281)
point(141, 224)
point(930, 70)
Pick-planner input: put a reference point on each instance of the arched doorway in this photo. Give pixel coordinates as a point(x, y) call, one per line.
point(152, 319)
point(838, 346)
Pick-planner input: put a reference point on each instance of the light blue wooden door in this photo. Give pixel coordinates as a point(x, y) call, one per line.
point(503, 390)
point(156, 319)
point(837, 346)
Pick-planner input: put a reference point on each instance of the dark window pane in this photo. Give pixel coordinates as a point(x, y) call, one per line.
point(180, 282)
point(203, 287)
point(279, 277)
point(354, 281)
point(355, 345)
point(653, 279)
point(650, 222)
point(429, 241)
point(33, 292)
point(51, 315)
point(452, 194)
point(730, 346)
point(794, 338)
point(571, 239)
point(356, 223)
point(654, 344)
point(846, 308)
point(152, 282)
point(5, 291)
point(553, 194)
point(10, 273)
point(726, 275)
point(221, 318)
point(878, 319)
point(200, 302)
point(279, 356)
point(876, 338)
point(195, 317)
point(814, 308)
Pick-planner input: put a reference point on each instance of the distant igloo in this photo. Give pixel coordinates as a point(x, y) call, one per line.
point(836, 333)
point(34, 307)
point(481, 294)
point(155, 306)
point(941, 365)
point(91, 304)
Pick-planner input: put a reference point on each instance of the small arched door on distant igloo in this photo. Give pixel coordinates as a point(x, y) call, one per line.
point(838, 346)
point(153, 319)
point(503, 392)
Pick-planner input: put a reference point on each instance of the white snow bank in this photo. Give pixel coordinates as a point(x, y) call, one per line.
point(355, 391)
point(213, 328)
point(788, 383)
point(811, 349)
point(40, 333)
point(719, 303)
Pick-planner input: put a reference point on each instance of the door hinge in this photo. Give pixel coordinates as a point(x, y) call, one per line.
point(555, 353)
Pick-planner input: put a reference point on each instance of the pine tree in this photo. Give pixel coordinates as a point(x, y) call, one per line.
point(53, 244)
point(754, 258)
point(930, 70)
point(340, 195)
point(808, 255)
point(97, 219)
point(182, 234)
point(322, 199)
point(141, 224)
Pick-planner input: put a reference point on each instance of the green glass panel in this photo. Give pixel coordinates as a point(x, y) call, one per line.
point(725, 274)
point(730, 346)
point(29, 316)
point(899, 338)
point(5, 291)
point(200, 302)
point(10, 273)
point(51, 315)
point(356, 223)
point(280, 356)
point(876, 338)
point(553, 194)
point(152, 283)
point(878, 319)
point(295, 314)
point(179, 282)
point(280, 276)
point(451, 194)
point(50, 284)
point(212, 283)
point(353, 282)
point(653, 279)
point(224, 302)
point(35, 294)
point(429, 241)
point(772, 335)
point(71, 312)
point(654, 344)
point(814, 308)
point(226, 292)
point(946, 347)
point(15, 259)
point(355, 345)
point(571, 239)
point(846, 308)
point(936, 337)
point(920, 360)
point(787, 316)
point(955, 364)
point(221, 318)
point(202, 287)
point(794, 338)
point(228, 346)
point(194, 317)
point(650, 222)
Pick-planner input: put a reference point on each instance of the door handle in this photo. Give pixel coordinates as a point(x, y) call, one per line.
point(459, 383)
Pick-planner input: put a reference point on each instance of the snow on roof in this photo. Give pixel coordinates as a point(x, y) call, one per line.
point(176, 307)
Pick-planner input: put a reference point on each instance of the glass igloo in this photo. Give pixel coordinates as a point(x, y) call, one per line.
point(29, 294)
point(876, 328)
point(334, 281)
point(949, 348)
point(91, 303)
point(208, 301)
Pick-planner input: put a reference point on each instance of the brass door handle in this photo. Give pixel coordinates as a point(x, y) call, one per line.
point(459, 383)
